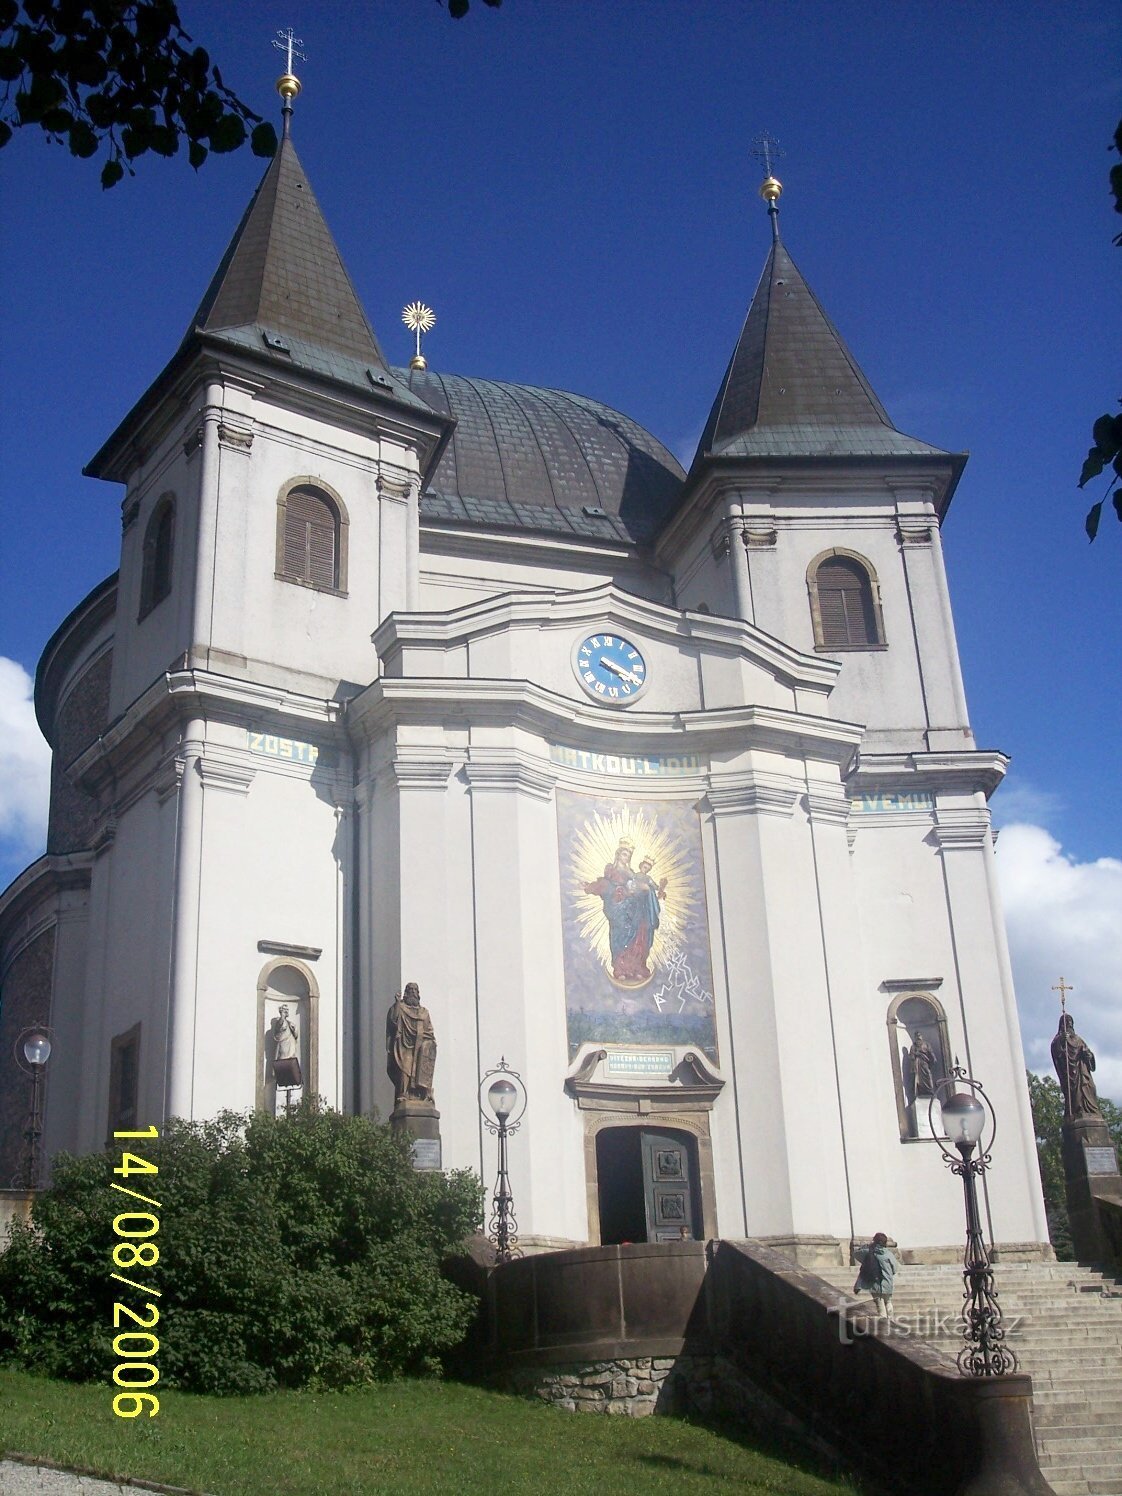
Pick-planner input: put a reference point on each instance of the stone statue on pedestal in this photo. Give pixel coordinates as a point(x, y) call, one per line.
point(410, 1046)
point(1075, 1062)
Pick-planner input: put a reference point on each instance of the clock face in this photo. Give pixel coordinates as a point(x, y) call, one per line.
point(609, 668)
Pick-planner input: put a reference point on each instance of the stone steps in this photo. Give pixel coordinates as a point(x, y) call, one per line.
point(1065, 1328)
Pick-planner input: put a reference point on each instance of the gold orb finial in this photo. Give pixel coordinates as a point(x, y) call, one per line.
point(419, 319)
point(771, 189)
point(288, 85)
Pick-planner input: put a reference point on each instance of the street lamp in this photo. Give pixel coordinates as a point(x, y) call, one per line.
point(967, 1112)
point(32, 1051)
point(506, 1096)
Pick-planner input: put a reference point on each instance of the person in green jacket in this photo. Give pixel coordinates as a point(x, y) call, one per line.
point(879, 1266)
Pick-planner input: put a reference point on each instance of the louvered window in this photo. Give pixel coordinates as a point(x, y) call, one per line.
point(311, 539)
point(845, 604)
point(156, 570)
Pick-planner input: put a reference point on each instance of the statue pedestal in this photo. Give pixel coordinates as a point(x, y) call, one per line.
point(420, 1121)
point(1090, 1175)
point(928, 1118)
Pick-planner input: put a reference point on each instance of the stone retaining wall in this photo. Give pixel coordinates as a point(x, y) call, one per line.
point(632, 1387)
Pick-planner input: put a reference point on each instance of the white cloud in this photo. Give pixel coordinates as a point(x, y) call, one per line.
point(1064, 919)
point(26, 775)
point(1020, 801)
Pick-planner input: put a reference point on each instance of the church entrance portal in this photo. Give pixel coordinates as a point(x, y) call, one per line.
point(647, 1185)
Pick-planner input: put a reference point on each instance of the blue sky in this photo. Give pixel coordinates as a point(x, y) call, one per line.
point(569, 183)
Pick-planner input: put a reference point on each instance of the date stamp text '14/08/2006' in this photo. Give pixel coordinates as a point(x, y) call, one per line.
point(135, 1345)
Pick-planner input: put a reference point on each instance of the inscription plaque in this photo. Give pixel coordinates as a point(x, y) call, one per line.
point(426, 1153)
point(1102, 1160)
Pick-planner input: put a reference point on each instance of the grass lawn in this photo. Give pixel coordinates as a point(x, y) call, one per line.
point(425, 1438)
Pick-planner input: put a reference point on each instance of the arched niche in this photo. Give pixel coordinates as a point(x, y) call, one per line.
point(916, 1018)
point(288, 983)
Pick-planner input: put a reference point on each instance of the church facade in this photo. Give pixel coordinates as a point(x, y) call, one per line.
point(659, 785)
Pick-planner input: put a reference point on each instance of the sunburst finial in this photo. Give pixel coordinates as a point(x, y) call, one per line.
point(419, 319)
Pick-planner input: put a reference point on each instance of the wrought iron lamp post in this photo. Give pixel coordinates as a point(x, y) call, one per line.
point(32, 1051)
point(967, 1114)
point(505, 1095)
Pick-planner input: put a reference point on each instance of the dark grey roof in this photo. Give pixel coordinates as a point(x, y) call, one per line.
point(792, 387)
point(282, 291)
point(532, 459)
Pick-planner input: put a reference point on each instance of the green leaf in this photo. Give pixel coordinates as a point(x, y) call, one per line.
point(111, 173)
point(83, 140)
point(1116, 500)
point(5, 134)
point(1105, 433)
point(1091, 523)
point(1092, 467)
point(263, 141)
point(227, 134)
point(197, 153)
point(11, 64)
point(57, 121)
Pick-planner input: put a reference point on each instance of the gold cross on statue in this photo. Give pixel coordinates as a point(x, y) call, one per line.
point(1063, 989)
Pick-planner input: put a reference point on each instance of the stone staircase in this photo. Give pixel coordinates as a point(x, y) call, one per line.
point(1064, 1324)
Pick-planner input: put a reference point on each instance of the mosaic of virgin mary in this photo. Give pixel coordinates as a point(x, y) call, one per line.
point(637, 964)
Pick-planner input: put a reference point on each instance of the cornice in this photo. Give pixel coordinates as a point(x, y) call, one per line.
point(826, 807)
point(456, 701)
point(961, 830)
point(965, 772)
point(181, 694)
point(46, 878)
point(421, 773)
point(517, 774)
point(233, 775)
point(753, 794)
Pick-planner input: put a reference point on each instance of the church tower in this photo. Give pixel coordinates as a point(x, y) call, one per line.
point(809, 514)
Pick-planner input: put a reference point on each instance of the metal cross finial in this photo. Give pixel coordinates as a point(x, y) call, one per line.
point(1063, 988)
point(290, 44)
point(767, 151)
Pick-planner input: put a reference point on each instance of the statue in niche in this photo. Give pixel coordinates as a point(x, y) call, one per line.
point(1075, 1062)
point(921, 1063)
point(410, 1046)
point(286, 1051)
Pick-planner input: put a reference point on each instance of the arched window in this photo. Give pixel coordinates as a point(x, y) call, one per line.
point(844, 602)
point(159, 548)
point(919, 1049)
point(311, 533)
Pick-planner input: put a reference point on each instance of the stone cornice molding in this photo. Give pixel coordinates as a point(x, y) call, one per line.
point(515, 774)
point(222, 773)
point(599, 607)
point(22, 917)
point(185, 693)
point(425, 700)
point(753, 794)
point(869, 479)
point(104, 833)
point(421, 773)
point(915, 529)
point(235, 435)
point(956, 773)
point(961, 830)
point(396, 483)
point(827, 807)
point(911, 984)
point(284, 948)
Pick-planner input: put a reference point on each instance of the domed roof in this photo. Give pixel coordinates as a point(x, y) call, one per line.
point(545, 461)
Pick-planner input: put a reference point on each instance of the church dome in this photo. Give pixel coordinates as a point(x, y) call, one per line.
point(544, 461)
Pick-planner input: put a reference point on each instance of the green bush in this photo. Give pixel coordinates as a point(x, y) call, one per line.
point(301, 1251)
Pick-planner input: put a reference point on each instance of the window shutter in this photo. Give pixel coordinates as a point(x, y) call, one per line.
point(845, 603)
point(309, 539)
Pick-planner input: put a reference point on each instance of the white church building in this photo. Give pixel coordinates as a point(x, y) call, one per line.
point(660, 785)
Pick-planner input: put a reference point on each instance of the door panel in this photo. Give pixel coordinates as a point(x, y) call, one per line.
point(667, 1186)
